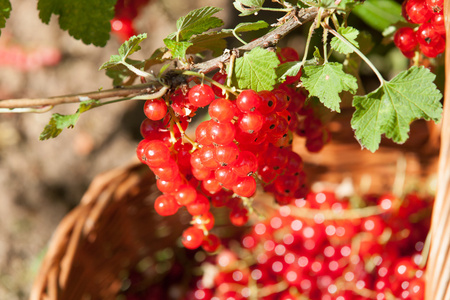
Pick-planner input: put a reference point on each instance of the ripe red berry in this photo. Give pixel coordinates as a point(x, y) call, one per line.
point(246, 164)
point(248, 100)
point(251, 121)
point(287, 54)
point(427, 35)
point(199, 206)
point(436, 6)
point(185, 194)
point(405, 39)
point(226, 154)
point(192, 237)
point(221, 133)
point(201, 95)
point(418, 11)
point(155, 109)
point(268, 102)
point(156, 153)
point(245, 186)
point(166, 205)
point(221, 110)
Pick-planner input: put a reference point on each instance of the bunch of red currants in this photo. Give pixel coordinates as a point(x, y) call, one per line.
point(429, 37)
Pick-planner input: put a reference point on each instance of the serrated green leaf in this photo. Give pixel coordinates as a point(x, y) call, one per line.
point(121, 65)
point(350, 34)
point(5, 11)
point(290, 68)
point(250, 26)
point(196, 22)
point(178, 49)
point(390, 109)
point(256, 70)
point(132, 45)
point(326, 82)
point(379, 14)
point(248, 7)
point(84, 19)
point(214, 41)
point(56, 125)
point(59, 122)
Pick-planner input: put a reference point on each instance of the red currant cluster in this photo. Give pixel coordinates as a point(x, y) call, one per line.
point(317, 257)
point(246, 142)
point(122, 23)
point(429, 37)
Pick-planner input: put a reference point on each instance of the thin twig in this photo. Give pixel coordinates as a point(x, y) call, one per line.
point(131, 91)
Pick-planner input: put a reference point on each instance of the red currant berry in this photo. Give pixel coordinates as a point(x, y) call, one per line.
point(166, 205)
point(192, 238)
point(245, 186)
point(436, 6)
point(201, 95)
point(438, 23)
point(405, 39)
point(155, 109)
point(169, 186)
point(226, 154)
point(268, 102)
point(248, 100)
point(427, 35)
point(287, 54)
point(418, 11)
point(246, 164)
point(221, 133)
point(199, 206)
point(202, 135)
point(156, 153)
point(251, 122)
point(185, 194)
point(221, 110)
point(226, 176)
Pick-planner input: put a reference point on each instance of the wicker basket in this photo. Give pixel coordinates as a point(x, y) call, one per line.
point(111, 230)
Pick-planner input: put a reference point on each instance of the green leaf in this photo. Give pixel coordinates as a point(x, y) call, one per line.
point(126, 49)
point(132, 45)
point(5, 11)
point(390, 109)
point(350, 34)
point(379, 14)
point(84, 19)
point(256, 70)
point(196, 22)
point(288, 69)
point(178, 49)
point(326, 82)
point(250, 26)
point(214, 41)
point(59, 122)
point(248, 7)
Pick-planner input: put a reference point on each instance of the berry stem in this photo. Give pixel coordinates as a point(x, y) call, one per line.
point(201, 75)
point(345, 41)
point(173, 118)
